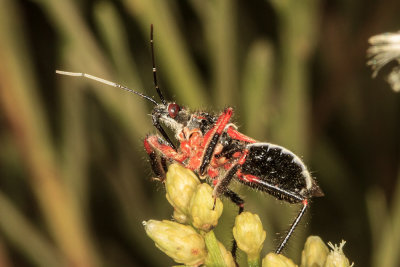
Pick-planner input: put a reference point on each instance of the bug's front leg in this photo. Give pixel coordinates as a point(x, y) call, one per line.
point(157, 124)
point(159, 152)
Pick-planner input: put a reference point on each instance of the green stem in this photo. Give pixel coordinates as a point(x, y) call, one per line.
point(254, 262)
point(214, 252)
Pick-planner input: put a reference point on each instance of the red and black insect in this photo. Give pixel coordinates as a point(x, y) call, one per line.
point(213, 147)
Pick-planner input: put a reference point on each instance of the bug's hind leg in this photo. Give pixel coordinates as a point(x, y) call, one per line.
point(236, 199)
point(293, 226)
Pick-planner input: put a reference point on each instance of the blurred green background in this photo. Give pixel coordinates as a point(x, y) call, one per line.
point(75, 183)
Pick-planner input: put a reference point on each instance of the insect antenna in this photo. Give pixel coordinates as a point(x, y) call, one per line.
point(113, 84)
point(154, 67)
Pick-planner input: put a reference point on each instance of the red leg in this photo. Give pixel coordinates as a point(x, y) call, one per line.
point(158, 153)
point(212, 137)
point(151, 143)
point(239, 136)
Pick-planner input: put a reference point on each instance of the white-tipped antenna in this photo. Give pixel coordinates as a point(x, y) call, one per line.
point(113, 84)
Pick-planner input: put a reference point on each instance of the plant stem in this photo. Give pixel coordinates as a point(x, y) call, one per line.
point(254, 262)
point(213, 250)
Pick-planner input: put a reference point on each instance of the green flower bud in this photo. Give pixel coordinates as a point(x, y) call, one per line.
point(180, 217)
point(277, 260)
point(336, 257)
point(249, 234)
point(226, 255)
point(180, 242)
point(202, 211)
point(180, 185)
point(314, 253)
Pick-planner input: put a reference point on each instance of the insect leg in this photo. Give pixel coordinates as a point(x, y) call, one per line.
point(156, 162)
point(222, 185)
point(293, 226)
point(235, 198)
point(157, 124)
point(234, 134)
point(159, 153)
point(282, 194)
point(164, 164)
point(156, 166)
point(216, 132)
point(222, 188)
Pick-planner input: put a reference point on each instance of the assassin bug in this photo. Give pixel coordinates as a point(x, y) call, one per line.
point(213, 147)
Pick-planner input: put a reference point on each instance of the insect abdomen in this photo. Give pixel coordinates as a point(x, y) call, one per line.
point(277, 167)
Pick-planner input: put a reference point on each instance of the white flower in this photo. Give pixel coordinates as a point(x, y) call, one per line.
point(384, 49)
point(394, 79)
point(336, 257)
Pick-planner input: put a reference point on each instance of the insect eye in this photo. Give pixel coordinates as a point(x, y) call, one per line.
point(173, 110)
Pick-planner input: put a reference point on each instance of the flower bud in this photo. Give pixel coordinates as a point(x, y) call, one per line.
point(202, 211)
point(249, 234)
point(226, 255)
point(314, 253)
point(277, 260)
point(180, 185)
point(180, 242)
point(336, 257)
point(180, 217)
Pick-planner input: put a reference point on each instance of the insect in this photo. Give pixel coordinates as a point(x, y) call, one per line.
point(213, 147)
